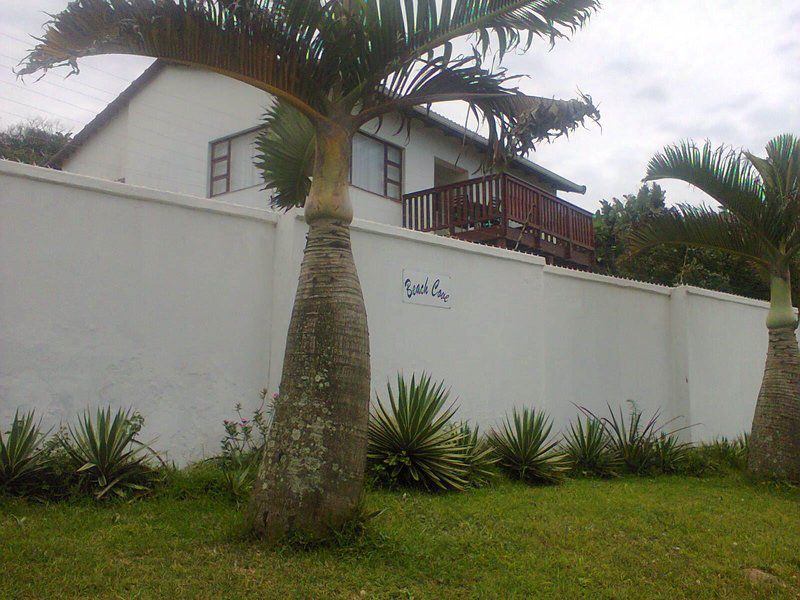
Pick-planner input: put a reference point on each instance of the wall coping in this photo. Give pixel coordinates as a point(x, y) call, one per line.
point(620, 282)
point(696, 291)
point(125, 190)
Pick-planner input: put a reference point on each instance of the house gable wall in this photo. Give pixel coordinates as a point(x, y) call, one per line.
point(161, 140)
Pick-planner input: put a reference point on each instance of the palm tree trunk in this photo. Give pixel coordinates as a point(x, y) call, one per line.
point(774, 450)
point(312, 473)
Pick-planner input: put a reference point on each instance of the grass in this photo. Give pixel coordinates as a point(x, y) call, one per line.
point(668, 537)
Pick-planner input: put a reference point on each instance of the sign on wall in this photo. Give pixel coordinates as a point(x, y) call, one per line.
point(429, 289)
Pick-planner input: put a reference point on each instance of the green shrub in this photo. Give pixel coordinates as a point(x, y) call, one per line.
point(199, 480)
point(107, 456)
point(244, 437)
point(634, 441)
point(588, 451)
point(671, 455)
point(23, 458)
point(478, 456)
point(699, 462)
point(524, 449)
point(412, 440)
point(727, 453)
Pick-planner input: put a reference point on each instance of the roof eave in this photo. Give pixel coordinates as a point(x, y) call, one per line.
point(104, 116)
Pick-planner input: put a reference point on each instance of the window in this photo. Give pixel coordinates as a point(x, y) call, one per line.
point(377, 166)
point(232, 163)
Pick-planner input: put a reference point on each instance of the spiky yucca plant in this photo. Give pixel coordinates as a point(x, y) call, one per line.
point(479, 457)
point(671, 454)
point(759, 221)
point(634, 441)
point(412, 439)
point(525, 449)
point(588, 450)
point(22, 454)
point(334, 68)
point(107, 455)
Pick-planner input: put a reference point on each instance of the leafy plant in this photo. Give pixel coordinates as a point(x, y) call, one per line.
point(22, 453)
point(729, 453)
point(671, 455)
point(245, 437)
point(588, 450)
point(413, 442)
point(107, 455)
point(634, 441)
point(525, 450)
point(478, 456)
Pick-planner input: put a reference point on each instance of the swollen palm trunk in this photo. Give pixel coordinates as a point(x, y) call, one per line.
point(312, 473)
point(775, 439)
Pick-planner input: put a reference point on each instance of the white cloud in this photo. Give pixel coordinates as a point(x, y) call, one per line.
point(661, 71)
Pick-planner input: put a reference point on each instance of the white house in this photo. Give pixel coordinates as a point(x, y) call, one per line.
point(192, 132)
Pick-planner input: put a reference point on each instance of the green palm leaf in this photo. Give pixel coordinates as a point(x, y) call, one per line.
point(701, 227)
point(275, 47)
point(719, 172)
point(286, 155)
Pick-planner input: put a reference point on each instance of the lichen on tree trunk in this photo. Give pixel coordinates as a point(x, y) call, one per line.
point(312, 472)
point(774, 450)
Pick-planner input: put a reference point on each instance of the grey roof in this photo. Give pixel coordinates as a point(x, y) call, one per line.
point(559, 182)
point(450, 127)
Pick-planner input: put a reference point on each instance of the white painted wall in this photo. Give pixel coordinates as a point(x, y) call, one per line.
point(161, 141)
point(179, 306)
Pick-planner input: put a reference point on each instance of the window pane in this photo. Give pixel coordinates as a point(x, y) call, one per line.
point(219, 187)
point(219, 167)
point(393, 154)
point(368, 164)
point(219, 149)
point(243, 152)
point(393, 191)
point(392, 173)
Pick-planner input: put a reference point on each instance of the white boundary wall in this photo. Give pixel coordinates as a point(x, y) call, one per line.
point(178, 306)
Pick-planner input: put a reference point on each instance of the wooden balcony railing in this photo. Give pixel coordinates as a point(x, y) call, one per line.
point(503, 210)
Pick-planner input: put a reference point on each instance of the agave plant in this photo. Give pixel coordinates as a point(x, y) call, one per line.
point(634, 441)
point(413, 441)
point(107, 455)
point(478, 455)
point(588, 450)
point(525, 450)
point(671, 455)
point(22, 455)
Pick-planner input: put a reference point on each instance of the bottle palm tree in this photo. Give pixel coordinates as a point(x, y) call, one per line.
point(332, 66)
point(760, 221)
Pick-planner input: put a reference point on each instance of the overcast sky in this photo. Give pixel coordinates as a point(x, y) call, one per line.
point(660, 70)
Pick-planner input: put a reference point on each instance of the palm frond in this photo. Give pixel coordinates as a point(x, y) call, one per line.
point(720, 172)
point(780, 176)
point(515, 121)
point(286, 155)
point(272, 45)
point(702, 227)
point(511, 22)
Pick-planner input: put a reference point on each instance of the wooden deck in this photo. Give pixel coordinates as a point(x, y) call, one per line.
point(502, 210)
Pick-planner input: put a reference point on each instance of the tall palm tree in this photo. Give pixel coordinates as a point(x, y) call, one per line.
point(760, 221)
point(333, 66)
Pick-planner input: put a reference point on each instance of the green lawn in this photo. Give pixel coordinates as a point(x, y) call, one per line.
point(669, 537)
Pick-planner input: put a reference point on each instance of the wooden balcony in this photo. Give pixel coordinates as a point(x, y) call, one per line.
point(502, 210)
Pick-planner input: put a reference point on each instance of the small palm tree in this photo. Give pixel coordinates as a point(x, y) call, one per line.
point(333, 66)
point(760, 221)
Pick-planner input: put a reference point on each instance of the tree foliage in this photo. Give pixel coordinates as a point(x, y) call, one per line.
point(33, 142)
point(666, 265)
